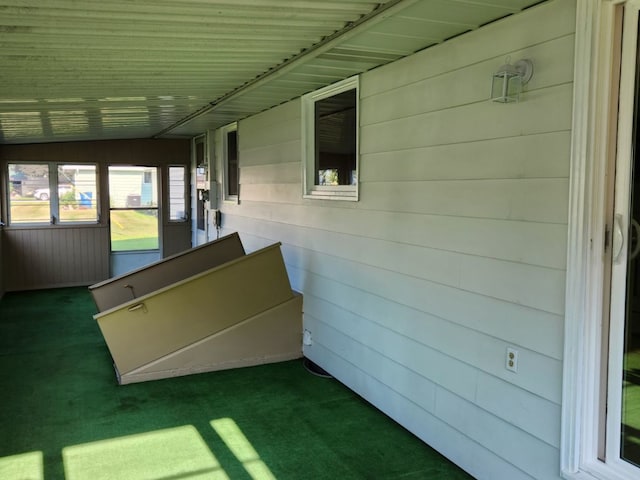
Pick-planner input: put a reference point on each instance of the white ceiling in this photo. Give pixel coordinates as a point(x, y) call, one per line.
point(90, 70)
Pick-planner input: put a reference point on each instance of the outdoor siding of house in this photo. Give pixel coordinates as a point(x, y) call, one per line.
point(455, 250)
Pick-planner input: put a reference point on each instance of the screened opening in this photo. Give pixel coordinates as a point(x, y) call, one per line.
point(133, 210)
point(29, 194)
point(49, 193)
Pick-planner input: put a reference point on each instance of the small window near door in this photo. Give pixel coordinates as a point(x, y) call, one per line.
point(230, 158)
point(77, 193)
point(330, 144)
point(29, 193)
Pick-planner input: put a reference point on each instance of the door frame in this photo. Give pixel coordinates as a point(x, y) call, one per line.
point(594, 139)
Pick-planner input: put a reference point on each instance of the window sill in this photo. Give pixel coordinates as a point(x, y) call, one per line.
point(600, 471)
point(347, 196)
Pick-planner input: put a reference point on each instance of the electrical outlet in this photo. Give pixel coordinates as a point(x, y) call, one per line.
point(512, 360)
point(306, 338)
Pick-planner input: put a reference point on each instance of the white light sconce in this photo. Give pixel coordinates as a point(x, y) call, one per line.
point(507, 82)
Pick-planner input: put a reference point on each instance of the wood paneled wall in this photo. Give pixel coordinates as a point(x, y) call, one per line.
point(455, 251)
point(52, 257)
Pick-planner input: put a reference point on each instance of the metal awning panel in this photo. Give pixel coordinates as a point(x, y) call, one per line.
point(118, 69)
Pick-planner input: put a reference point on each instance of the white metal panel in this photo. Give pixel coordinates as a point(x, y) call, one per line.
point(454, 444)
point(117, 69)
point(531, 156)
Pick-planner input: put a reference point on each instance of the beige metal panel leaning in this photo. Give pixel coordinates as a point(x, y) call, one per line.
point(271, 336)
point(178, 317)
point(131, 285)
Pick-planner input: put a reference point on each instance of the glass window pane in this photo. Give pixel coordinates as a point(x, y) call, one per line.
point(135, 191)
point(336, 139)
point(177, 189)
point(134, 230)
point(232, 163)
point(29, 193)
point(77, 193)
point(131, 187)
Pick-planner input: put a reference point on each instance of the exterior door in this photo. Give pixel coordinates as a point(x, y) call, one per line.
point(134, 217)
point(622, 445)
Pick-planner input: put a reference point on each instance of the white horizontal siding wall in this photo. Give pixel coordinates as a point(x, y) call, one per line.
point(455, 251)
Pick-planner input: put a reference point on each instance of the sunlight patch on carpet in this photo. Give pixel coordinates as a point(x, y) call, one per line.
point(237, 442)
point(26, 466)
point(175, 453)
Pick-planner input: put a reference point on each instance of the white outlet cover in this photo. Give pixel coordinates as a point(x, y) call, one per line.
point(511, 360)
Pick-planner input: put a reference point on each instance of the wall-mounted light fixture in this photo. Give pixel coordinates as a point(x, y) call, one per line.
point(508, 80)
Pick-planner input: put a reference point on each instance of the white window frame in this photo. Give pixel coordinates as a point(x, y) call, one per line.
point(310, 189)
point(592, 134)
point(232, 127)
point(54, 196)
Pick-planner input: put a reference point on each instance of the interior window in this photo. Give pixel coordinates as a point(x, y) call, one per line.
point(49, 193)
point(331, 141)
point(231, 162)
point(29, 193)
point(335, 138)
point(77, 193)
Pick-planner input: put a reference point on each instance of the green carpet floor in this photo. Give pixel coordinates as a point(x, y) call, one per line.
point(63, 415)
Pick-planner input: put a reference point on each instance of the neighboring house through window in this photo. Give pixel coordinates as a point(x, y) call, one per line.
point(52, 193)
point(133, 208)
point(330, 141)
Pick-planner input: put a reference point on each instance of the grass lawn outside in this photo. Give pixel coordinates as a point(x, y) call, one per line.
point(29, 210)
point(134, 230)
point(130, 229)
